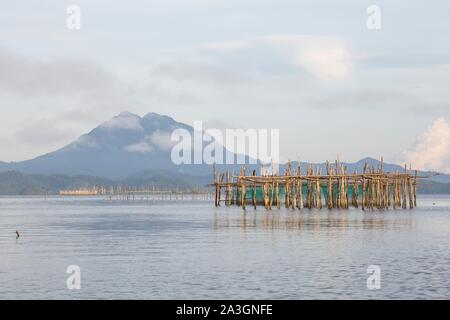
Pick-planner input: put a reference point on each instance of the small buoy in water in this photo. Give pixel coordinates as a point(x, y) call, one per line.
point(17, 234)
point(434, 203)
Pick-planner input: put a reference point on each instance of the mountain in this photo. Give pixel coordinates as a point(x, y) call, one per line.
point(129, 146)
point(359, 167)
point(351, 167)
point(441, 178)
point(17, 183)
point(116, 149)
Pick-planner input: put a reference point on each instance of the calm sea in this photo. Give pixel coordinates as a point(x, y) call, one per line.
point(191, 250)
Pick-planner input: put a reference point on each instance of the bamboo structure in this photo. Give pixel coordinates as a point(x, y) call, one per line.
point(371, 189)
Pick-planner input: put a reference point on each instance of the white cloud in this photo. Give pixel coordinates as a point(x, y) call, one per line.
point(325, 58)
point(432, 148)
point(44, 132)
point(226, 46)
point(141, 147)
point(157, 140)
point(85, 141)
point(22, 75)
point(125, 120)
point(162, 140)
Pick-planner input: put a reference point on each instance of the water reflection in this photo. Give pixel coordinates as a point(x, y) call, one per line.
point(314, 220)
point(191, 250)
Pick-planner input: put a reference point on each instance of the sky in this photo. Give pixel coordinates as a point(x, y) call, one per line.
point(312, 69)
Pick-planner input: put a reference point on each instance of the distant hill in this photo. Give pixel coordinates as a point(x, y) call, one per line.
point(116, 149)
point(441, 178)
point(17, 183)
point(432, 187)
point(129, 149)
point(351, 167)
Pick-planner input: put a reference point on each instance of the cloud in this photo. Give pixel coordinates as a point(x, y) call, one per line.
point(197, 72)
point(226, 46)
point(281, 79)
point(379, 98)
point(49, 101)
point(141, 147)
point(44, 132)
point(157, 140)
point(162, 140)
point(83, 142)
point(432, 148)
point(324, 58)
point(125, 120)
point(23, 75)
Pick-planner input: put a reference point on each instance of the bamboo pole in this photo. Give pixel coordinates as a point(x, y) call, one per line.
point(345, 187)
point(363, 200)
point(355, 192)
point(278, 195)
point(271, 195)
point(415, 189)
point(266, 195)
point(410, 189)
point(330, 186)
point(318, 191)
point(254, 191)
point(244, 190)
point(299, 188)
point(404, 189)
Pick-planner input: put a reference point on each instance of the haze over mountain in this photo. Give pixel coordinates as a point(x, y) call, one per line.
point(128, 145)
point(120, 147)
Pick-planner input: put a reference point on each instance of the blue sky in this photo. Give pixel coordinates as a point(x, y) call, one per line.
point(310, 68)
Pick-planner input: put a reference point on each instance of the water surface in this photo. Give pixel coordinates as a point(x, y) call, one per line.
point(191, 250)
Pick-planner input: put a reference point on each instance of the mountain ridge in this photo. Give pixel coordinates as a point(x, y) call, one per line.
point(128, 144)
point(116, 148)
point(14, 183)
